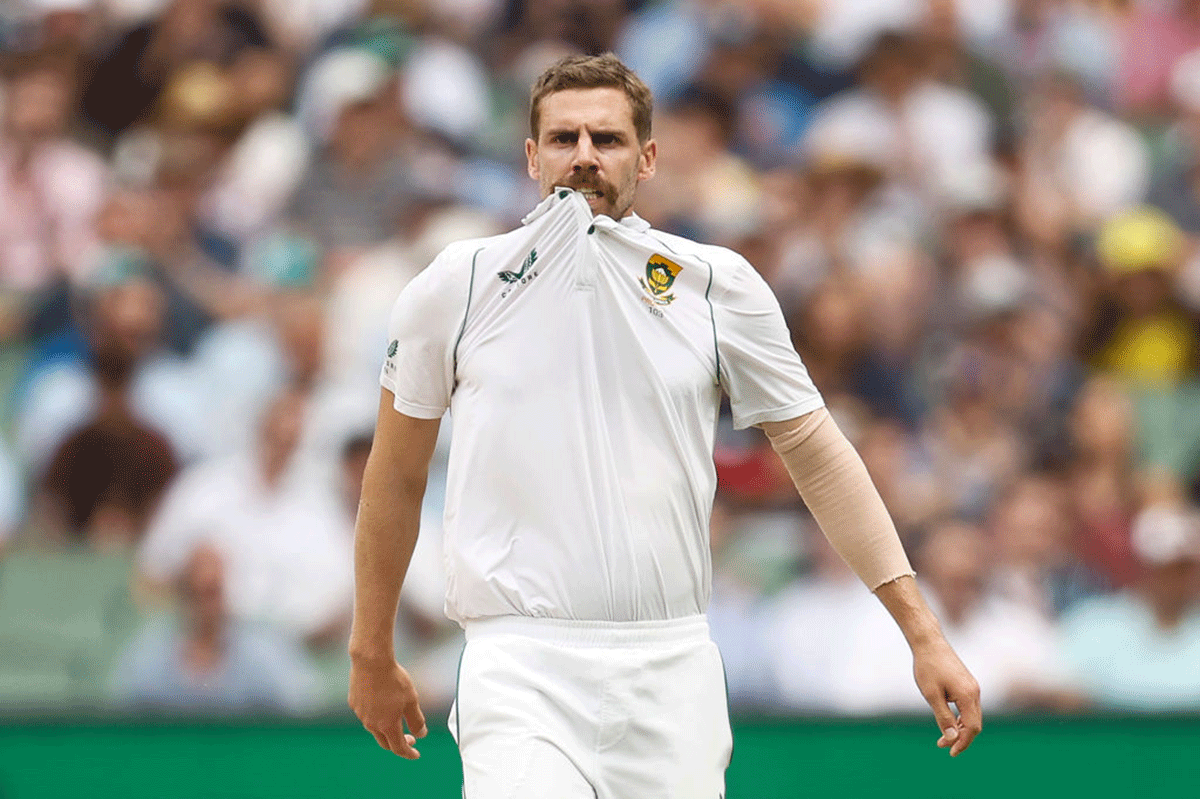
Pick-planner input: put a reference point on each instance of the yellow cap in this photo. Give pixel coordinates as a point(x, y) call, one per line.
point(1137, 239)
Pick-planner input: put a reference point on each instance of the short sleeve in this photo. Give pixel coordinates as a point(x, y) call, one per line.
point(760, 369)
point(422, 332)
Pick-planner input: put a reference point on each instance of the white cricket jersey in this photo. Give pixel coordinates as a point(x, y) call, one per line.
point(583, 361)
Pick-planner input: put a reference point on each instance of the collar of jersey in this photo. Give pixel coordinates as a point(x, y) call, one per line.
point(632, 221)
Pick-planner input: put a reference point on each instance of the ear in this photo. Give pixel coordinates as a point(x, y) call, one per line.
point(648, 161)
point(531, 153)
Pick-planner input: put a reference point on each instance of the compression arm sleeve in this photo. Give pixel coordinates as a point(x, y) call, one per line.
point(835, 485)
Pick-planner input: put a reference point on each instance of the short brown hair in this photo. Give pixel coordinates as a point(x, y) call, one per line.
point(593, 72)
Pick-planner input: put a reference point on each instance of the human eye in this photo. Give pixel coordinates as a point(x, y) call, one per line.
point(606, 139)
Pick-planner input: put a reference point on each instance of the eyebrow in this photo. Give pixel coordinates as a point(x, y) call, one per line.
point(613, 132)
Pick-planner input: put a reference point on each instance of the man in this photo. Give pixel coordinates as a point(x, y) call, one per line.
point(583, 356)
point(205, 660)
point(1139, 648)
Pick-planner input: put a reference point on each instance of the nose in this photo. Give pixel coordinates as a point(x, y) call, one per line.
point(585, 155)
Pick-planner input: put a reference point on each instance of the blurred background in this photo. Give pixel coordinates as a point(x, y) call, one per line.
point(981, 219)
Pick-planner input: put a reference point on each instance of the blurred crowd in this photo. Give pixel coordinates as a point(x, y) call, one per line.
point(981, 218)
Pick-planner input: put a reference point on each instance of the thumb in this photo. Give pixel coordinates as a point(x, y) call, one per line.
point(949, 736)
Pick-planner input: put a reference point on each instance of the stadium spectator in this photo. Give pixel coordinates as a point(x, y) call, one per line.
point(202, 660)
point(355, 189)
point(261, 170)
point(1079, 164)
point(856, 665)
point(202, 201)
point(902, 472)
point(276, 520)
point(928, 130)
point(818, 627)
point(106, 478)
point(119, 330)
point(51, 189)
point(1034, 535)
point(1103, 490)
point(134, 67)
point(1140, 649)
point(1145, 337)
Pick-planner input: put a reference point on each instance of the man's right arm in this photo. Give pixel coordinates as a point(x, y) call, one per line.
point(389, 512)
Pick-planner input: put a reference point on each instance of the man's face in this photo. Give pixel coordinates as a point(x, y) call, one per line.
point(587, 141)
point(38, 106)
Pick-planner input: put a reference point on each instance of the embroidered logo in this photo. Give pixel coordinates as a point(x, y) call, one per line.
point(389, 365)
point(660, 276)
point(513, 277)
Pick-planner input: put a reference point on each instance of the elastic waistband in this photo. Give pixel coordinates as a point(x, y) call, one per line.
point(593, 633)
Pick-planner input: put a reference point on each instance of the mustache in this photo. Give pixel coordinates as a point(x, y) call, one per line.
point(585, 181)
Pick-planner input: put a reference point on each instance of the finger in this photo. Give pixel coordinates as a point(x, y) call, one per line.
point(415, 719)
point(403, 743)
point(970, 722)
point(946, 720)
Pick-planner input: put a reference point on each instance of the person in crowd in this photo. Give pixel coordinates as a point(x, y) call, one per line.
point(849, 651)
point(277, 521)
point(120, 358)
point(354, 191)
point(204, 660)
point(203, 201)
point(134, 67)
point(104, 481)
point(1144, 335)
point(1139, 649)
point(1034, 535)
point(51, 190)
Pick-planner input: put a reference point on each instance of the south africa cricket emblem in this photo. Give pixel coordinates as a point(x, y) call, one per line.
point(660, 275)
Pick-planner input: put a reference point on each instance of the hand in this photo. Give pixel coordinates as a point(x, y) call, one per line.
point(384, 699)
point(942, 679)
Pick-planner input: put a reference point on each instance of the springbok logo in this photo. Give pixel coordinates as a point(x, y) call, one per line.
point(660, 275)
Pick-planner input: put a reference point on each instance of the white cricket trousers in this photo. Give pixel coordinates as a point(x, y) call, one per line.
point(553, 709)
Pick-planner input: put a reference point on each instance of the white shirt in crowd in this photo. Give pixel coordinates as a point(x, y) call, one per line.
point(288, 551)
point(583, 361)
point(835, 649)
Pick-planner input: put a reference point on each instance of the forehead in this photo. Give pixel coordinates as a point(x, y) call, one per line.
point(604, 107)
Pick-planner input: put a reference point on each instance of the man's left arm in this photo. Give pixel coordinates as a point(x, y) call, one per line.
point(834, 484)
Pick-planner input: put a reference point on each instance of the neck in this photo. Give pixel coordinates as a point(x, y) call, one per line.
point(204, 647)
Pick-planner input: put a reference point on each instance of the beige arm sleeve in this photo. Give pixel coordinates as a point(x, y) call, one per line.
point(834, 483)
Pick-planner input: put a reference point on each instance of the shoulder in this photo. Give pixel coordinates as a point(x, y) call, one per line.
point(729, 268)
point(720, 257)
point(455, 264)
point(463, 254)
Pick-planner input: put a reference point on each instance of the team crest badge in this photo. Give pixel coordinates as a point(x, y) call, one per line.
point(660, 275)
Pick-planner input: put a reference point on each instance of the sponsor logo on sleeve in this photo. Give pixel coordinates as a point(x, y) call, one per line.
point(389, 366)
